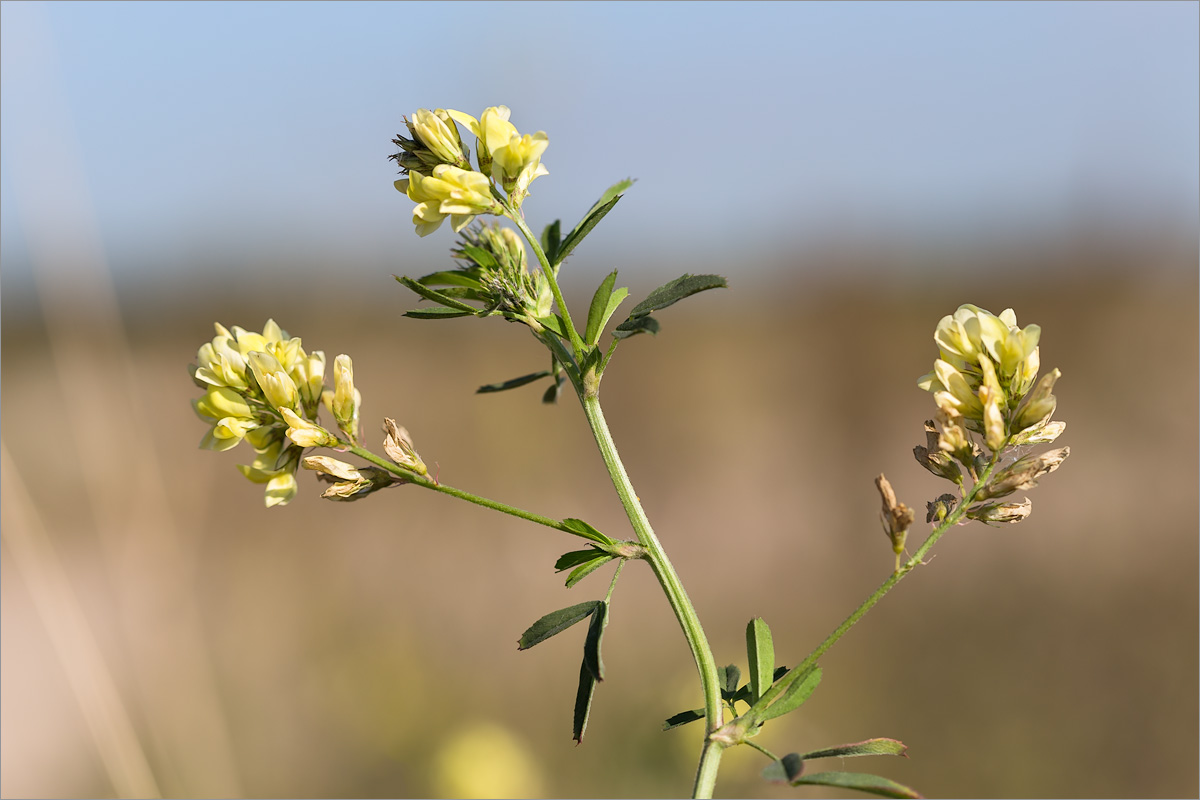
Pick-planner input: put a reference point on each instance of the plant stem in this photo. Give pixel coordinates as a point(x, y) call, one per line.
point(918, 558)
point(418, 480)
point(706, 774)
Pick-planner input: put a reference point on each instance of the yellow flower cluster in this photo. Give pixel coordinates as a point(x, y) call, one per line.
point(264, 388)
point(983, 379)
point(440, 179)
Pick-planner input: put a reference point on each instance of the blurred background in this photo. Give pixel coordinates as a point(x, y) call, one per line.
point(856, 170)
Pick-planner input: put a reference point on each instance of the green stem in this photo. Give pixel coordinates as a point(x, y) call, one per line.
point(706, 774)
point(918, 558)
point(418, 480)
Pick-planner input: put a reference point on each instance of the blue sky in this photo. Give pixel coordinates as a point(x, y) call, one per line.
point(240, 132)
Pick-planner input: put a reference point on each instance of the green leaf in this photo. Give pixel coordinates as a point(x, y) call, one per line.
point(860, 781)
point(556, 622)
point(450, 278)
point(554, 323)
point(437, 312)
point(576, 557)
point(731, 677)
point(514, 383)
point(583, 570)
point(795, 695)
point(760, 649)
point(683, 718)
point(595, 318)
point(581, 528)
point(551, 394)
point(551, 239)
point(479, 256)
point(618, 297)
point(671, 293)
point(596, 213)
point(632, 327)
point(785, 770)
point(583, 701)
point(591, 645)
point(435, 295)
point(868, 747)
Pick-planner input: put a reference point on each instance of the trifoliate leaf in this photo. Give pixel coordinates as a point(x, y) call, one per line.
point(671, 293)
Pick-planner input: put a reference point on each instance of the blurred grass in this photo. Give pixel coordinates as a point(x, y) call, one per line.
point(349, 643)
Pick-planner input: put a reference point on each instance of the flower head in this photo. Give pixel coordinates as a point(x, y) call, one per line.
point(986, 368)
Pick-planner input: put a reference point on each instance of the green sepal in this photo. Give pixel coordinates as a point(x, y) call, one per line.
point(785, 770)
point(868, 747)
point(794, 697)
point(556, 622)
point(731, 676)
point(576, 557)
point(435, 295)
point(640, 325)
point(591, 645)
point(859, 781)
point(760, 650)
point(583, 702)
point(596, 213)
point(671, 293)
point(437, 312)
point(551, 240)
point(581, 528)
point(514, 383)
point(683, 718)
point(450, 278)
point(595, 317)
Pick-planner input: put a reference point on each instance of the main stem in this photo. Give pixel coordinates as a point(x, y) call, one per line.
point(706, 774)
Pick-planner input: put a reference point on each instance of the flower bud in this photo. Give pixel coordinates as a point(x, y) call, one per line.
point(437, 131)
point(370, 479)
point(937, 510)
point(281, 489)
point(346, 398)
point(399, 448)
point(1039, 404)
point(896, 517)
point(1043, 433)
point(1001, 512)
point(331, 466)
point(278, 389)
point(1023, 473)
point(932, 458)
point(305, 433)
